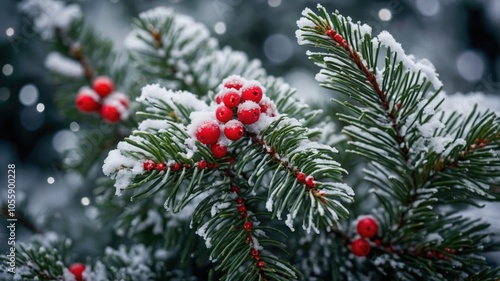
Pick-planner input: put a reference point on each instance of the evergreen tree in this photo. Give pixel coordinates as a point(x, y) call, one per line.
point(216, 171)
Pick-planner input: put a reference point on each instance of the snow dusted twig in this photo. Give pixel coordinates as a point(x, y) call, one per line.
point(76, 51)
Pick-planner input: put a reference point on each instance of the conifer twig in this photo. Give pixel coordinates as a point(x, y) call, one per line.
point(76, 51)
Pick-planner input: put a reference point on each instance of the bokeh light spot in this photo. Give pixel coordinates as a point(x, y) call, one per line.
point(7, 70)
point(64, 140)
point(274, 3)
point(220, 27)
point(40, 107)
point(428, 8)
point(385, 14)
point(75, 127)
point(28, 95)
point(278, 48)
point(470, 66)
point(9, 31)
point(85, 201)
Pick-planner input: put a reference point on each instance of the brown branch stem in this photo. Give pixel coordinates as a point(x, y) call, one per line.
point(76, 51)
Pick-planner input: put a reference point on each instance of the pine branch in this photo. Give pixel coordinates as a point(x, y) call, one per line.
point(162, 158)
point(196, 64)
point(418, 151)
point(76, 51)
point(240, 240)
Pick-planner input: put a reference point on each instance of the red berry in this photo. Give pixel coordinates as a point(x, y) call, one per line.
point(231, 160)
point(338, 38)
point(431, 254)
point(231, 99)
point(218, 150)
point(367, 227)
point(301, 177)
point(451, 251)
point(202, 164)
point(441, 256)
point(160, 166)
point(223, 113)
point(87, 101)
point(77, 269)
point(360, 247)
point(110, 113)
point(310, 182)
point(330, 32)
point(149, 165)
point(218, 99)
point(267, 107)
point(235, 189)
point(377, 242)
point(244, 215)
point(239, 200)
point(233, 82)
point(253, 93)
point(175, 167)
point(248, 112)
point(233, 85)
point(257, 257)
point(263, 107)
point(261, 264)
point(234, 130)
point(242, 209)
point(248, 225)
point(211, 165)
point(103, 85)
point(255, 252)
point(208, 132)
point(120, 97)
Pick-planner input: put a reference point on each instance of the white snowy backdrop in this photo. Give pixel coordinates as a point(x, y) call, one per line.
point(461, 38)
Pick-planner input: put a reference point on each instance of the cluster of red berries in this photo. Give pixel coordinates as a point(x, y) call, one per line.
point(433, 254)
point(247, 225)
point(150, 165)
point(307, 180)
point(101, 98)
point(77, 270)
point(241, 103)
point(336, 37)
point(367, 228)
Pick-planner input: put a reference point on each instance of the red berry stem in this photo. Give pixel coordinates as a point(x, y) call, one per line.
point(247, 227)
point(307, 180)
point(373, 82)
point(150, 165)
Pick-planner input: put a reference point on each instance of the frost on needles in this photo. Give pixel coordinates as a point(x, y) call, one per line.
point(256, 191)
point(424, 157)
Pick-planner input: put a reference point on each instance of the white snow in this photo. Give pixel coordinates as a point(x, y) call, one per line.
point(153, 124)
point(67, 275)
point(121, 168)
point(59, 64)
point(427, 130)
point(117, 100)
point(87, 91)
point(50, 14)
point(219, 206)
point(134, 42)
point(153, 92)
point(423, 65)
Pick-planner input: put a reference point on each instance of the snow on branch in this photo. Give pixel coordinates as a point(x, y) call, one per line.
point(50, 15)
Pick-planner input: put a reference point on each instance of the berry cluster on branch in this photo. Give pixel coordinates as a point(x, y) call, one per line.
point(241, 105)
point(113, 106)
